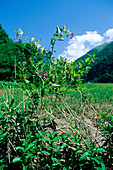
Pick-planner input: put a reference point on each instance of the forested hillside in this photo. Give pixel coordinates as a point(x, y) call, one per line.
point(14, 53)
point(102, 69)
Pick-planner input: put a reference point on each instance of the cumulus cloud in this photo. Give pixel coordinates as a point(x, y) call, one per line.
point(81, 44)
point(109, 35)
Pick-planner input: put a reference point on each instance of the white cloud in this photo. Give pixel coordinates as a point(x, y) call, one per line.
point(81, 44)
point(109, 34)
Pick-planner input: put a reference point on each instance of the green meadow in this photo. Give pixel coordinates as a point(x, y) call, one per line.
point(98, 94)
point(79, 105)
point(101, 93)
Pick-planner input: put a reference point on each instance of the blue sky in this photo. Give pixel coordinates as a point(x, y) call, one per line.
point(90, 20)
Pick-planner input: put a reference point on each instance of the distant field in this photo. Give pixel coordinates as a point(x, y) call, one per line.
point(96, 93)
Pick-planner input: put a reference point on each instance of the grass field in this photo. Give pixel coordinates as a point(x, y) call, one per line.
point(90, 105)
point(96, 93)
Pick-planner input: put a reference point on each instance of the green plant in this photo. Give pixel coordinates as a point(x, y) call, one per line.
point(90, 157)
point(37, 134)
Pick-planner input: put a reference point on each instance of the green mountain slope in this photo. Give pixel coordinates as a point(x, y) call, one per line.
point(16, 52)
point(102, 69)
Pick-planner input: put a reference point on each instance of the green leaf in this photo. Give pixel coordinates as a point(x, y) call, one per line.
point(64, 168)
point(87, 59)
point(84, 155)
point(89, 54)
point(1, 161)
point(20, 148)
point(20, 31)
point(64, 28)
point(61, 39)
point(63, 145)
point(55, 159)
point(37, 42)
point(68, 30)
point(56, 138)
point(55, 35)
point(29, 155)
point(29, 147)
point(103, 166)
point(98, 161)
point(32, 39)
point(99, 150)
point(5, 134)
point(52, 41)
point(25, 167)
point(58, 29)
point(100, 105)
point(80, 64)
point(26, 38)
point(67, 35)
point(56, 85)
point(43, 49)
point(38, 46)
point(56, 148)
point(27, 81)
point(46, 152)
point(57, 163)
point(17, 159)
